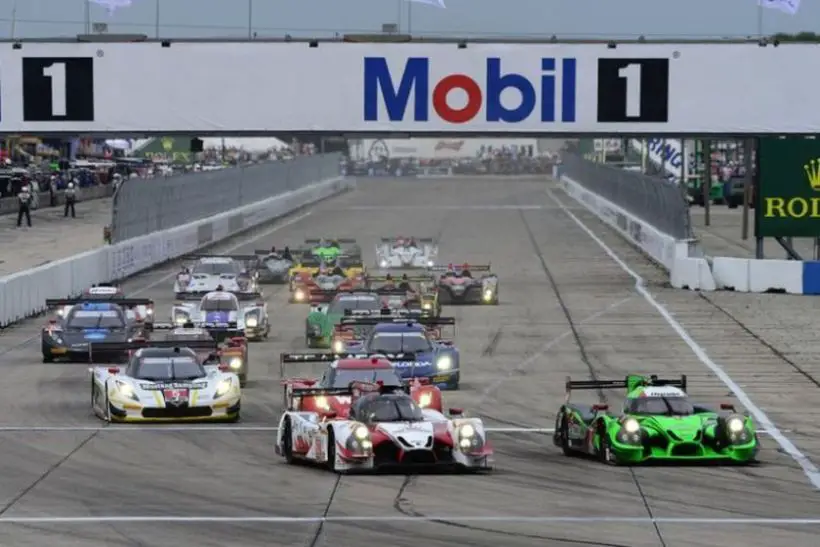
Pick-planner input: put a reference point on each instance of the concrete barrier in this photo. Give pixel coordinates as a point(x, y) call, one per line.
point(23, 294)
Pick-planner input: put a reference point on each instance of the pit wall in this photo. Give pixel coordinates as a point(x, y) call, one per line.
point(687, 268)
point(23, 294)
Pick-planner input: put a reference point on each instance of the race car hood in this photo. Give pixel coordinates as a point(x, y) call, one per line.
point(81, 338)
point(408, 435)
point(679, 428)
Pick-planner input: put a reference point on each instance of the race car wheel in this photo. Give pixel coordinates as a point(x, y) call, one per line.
point(48, 358)
point(287, 442)
point(331, 450)
point(605, 449)
point(562, 435)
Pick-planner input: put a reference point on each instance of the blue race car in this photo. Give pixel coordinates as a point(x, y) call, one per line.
point(436, 361)
point(68, 336)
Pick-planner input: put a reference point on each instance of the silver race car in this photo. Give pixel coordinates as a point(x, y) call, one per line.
point(384, 428)
point(406, 252)
point(273, 266)
point(247, 312)
point(234, 273)
point(163, 381)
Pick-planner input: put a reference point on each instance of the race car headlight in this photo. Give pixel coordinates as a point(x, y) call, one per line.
point(60, 312)
point(149, 311)
point(488, 295)
point(359, 442)
point(321, 403)
point(235, 364)
point(180, 318)
point(738, 432)
point(425, 399)
point(299, 294)
point(735, 425)
point(631, 426)
point(444, 363)
point(338, 346)
point(430, 263)
point(361, 432)
point(127, 391)
point(427, 306)
point(382, 264)
point(251, 321)
point(223, 388)
point(468, 440)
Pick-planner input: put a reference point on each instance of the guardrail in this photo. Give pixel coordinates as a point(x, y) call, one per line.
point(23, 294)
point(656, 201)
point(143, 206)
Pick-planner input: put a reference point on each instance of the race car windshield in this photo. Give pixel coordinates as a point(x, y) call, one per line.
point(342, 378)
point(660, 406)
point(159, 369)
point(391, 409)
point(399, 342)
point(219, 304)
point(343, 303)
point(215, 268)
point(95, 319)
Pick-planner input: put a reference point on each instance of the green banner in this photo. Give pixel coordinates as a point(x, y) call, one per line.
point(788, 189)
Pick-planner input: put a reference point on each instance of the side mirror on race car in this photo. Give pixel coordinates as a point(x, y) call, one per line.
point(456, 411)
point(113, 370)
point(600, 408)
point(727, 406)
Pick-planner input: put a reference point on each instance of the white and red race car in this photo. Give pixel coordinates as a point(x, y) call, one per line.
point(384, 428)
point(106, 292)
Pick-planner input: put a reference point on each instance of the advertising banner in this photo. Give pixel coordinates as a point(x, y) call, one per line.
point(258, 87)
point(788, 190)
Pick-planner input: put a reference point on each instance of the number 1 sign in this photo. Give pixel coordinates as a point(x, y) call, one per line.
point(58, 89)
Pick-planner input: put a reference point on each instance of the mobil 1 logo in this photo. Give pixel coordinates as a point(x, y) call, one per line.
point(57, 89)
point(633, 90)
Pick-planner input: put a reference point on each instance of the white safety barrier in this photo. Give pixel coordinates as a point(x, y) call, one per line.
point(658, 246)
point(698, 273)
point(23, 294)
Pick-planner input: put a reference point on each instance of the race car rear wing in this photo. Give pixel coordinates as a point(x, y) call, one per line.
point(190, 295)
point(339, 240)
point(218, 331)
point(124, 347)
point(461, 267)
point(416, 278)
point(238, 258)
point(326, 357)
point(417, 239)
point(247, 296)
point(409, 319)
point(630, 383)
point(113, 299)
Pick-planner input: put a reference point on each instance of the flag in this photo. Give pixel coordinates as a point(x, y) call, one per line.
point(786, 6)
point(112, 5)
point(440, 3)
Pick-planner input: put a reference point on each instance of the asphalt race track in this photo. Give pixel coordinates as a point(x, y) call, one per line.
point(566, 309)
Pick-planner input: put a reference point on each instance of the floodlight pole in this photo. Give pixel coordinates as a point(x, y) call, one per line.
point(707, 182)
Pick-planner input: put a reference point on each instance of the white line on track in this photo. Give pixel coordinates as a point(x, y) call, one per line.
point(272, 519)
point(227, 428)
point(809, 468)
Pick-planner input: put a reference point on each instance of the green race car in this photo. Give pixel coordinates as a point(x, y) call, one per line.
point(322, 319)
point(329, 249)
point(658, 423)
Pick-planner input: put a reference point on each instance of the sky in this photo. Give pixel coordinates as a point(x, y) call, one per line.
point(462, 18)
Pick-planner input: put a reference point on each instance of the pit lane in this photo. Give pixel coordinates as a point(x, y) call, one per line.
point(515, 358)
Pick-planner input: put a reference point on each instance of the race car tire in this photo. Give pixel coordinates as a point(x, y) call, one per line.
point(243, 380)
point(287, 442)
point(48, 358)
point(562, 429)
point(331, 451)
point(605, 449)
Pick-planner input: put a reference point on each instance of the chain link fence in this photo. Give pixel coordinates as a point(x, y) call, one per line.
point(654, 200)
point(144, 206)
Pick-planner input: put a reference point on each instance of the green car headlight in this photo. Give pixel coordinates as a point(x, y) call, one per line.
point(737, 431)
point(630, 432)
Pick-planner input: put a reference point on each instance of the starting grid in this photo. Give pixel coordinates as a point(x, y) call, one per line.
point(485, 519)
